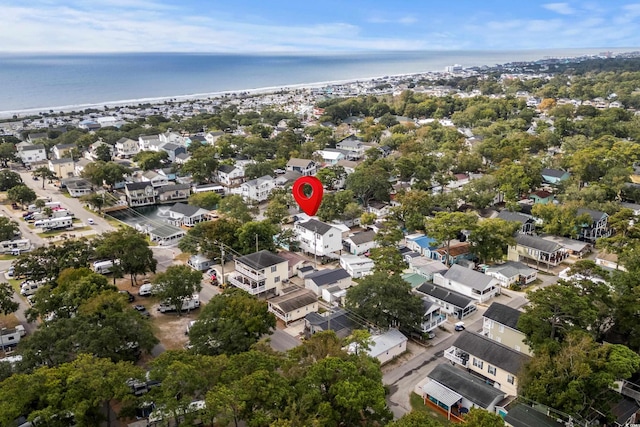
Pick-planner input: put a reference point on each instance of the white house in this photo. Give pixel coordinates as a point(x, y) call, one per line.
point(468, 282)
point(230, 175)
point(126, 147)
point(187, 215)
point(357, 266)
point(328, 278)
point(353, 146)
point(387, 346)
point(318, 238)
point(360, 243)
point(212, 137)
point(156, 179)
point(330, 157)
point(148, 142)
point(512, 272)
point(258, 189)
point(32, 153)
point(303, 166)
point(293, 305)
point(260, 273)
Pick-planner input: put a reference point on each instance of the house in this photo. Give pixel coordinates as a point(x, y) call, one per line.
point(258, 189)
point(293, 304)
point(172, 193)
point(295, 261)
point(426, 267)
point(173, 150)
point(339, 321)
point(452, 391)
point(317, 237)
point(354, 147)
point(597, 228)
point(79, 187)
point(32, 138)
point(541, 197)
point(32, 153)
point(422, 244)
point(500, 323)
point(166, 235)
point(305, 167)
point(528, 224)
point(172, 137)
point(60, 151)
point(496, 363)
point(91, 152)
point(537, 249)
point(609, 260)
point(140, 193)
point(554, 176)
point(80, 165)
point(168, 172)
point(433, 316)
point(512, 273)
point(330, 157)
point(576, 249)
point(322, 279)
point(379, 209)
point(452, 303)
point(230, 175)
point(521, 415)
point(357, 266)
point(455, 254)
point(212, 137)
point(386, 346)
point(62, 168)
point(468, 282)
point(260, 273)
point(146, 142)
point(187, 215)
point(156, 179)
point(126, 148)
point(360, 243)
point(200, 262)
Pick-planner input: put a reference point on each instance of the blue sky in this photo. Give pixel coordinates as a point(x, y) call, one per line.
point(307, 25)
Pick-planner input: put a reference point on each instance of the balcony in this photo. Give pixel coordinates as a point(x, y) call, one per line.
point(433, 322)
point(455, 355)
point(249, 273)
point(250, 286)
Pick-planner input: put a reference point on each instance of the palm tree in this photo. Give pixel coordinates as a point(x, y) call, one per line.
point(43, 173)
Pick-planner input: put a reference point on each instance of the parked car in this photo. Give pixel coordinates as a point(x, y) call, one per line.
point(129, 295)
point(145, 290)
point(142, 310)
point(459, 326)
point(10, 271)
point(90, 221)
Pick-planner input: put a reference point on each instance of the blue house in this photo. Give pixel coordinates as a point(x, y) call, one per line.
point(554, 176)
point(422, 244)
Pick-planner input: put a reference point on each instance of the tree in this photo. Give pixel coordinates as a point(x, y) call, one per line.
point(21, 194)
point(416, 419)
point(278, 208)
point(96, 200)
point(132, 250)
point(491, 238)
point(148, 160)
point(7, 153)
point(386, 301)
point(257, 235)
point(207, 237)
point(103, 152)
point(202, 164)
point(9, 179)
point(331, 176)
point(446, 226)
point(177, 284)
point(43, 172)
point(7, 304)
point(47, 262)
point(230, 323)
point(8, 229)
point(478, 417)
point(561, 220)
point(369, 183)
point(101, 173)
point(359, 342)
point(208, 200)
point(235, 207)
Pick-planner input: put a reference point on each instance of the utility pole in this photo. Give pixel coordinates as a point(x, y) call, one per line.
point(315, 247)
point(256, 242)
point(221, 279)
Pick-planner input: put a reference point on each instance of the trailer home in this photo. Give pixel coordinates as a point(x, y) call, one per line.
point(15, 247)
point(104, 267)
point(54, 223)
point(11, 337)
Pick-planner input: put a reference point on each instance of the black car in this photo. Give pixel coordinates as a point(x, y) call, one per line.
point(129, 295)
point(142, 310)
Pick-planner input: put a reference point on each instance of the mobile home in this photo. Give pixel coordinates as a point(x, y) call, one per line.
point(15, 247)
point(104, 267)
point(54, 223)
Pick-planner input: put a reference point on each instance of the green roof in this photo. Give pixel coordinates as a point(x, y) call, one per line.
point(414, 279)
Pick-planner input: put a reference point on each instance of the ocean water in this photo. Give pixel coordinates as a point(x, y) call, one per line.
point(33, 83)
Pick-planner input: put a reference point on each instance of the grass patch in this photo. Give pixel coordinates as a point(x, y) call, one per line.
point(15, 284)
point(9, 321)
point(417, 404)
point(7, 257)
point(54, 233)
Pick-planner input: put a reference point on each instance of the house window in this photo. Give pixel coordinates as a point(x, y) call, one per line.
point(491, 369)
point(511, 379)
point(477, 363)
point(516, 347)
point(277, 279)
point(501, 328)
point(274, 268)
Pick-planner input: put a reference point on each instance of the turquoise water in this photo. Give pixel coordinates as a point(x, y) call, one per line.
point(50, 81)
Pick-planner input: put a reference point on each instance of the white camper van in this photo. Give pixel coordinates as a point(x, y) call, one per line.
point(104, 267)
point(187, 305)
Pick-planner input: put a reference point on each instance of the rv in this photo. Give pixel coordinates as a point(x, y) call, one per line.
point(52, 205)
point(104, 267)
point(54, 223)
point(29, 288)
point(15, 247)
point(187, 305)
point(161, 416)
point(11, 337)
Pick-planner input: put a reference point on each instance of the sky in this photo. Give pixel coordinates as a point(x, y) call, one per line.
point(255, 26)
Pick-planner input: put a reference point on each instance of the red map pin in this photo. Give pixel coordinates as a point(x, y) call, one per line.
point(309, 204)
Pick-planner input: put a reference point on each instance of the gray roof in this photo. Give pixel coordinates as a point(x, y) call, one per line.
point(173, 187)
point(185, 209)
point(503, 314)
point(537, 243)
point(492, 352)
point(299, 162)
point(556, 173)
point(595, 215)
point(226, 168)
point(468, 277)
point(511, 269)
point(362, 237)
point(167, 230)
point(260, 260)
point(61, 161)
point(340, 320)
point(294, 300)
point(465, 384)
point(317, 226)
point(324, 277)
point(442, 294)
point(514, 216)
point(32, 147)
point(63, 146)
point(521, 415)
point(136, 185)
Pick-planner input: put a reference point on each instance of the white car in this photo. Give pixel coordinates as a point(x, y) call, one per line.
point(90, 221)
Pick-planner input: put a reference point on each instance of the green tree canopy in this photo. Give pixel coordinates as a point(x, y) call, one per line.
point(21, 194)
point(446, 226)
point(176, 284)
point(207, 200)
point(9, 179)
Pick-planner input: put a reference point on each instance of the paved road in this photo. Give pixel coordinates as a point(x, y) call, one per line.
point(402, 380)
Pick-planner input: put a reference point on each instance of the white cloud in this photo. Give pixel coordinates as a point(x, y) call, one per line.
point(404, 20)
point(561, 8)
